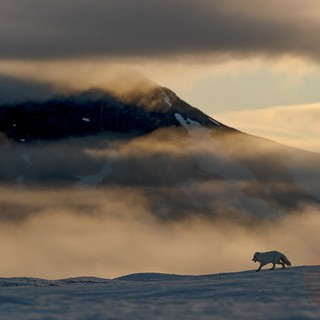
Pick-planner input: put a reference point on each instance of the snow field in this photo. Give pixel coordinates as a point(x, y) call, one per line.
point(292, 293)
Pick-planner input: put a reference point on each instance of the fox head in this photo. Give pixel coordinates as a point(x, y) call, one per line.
point(255, 257)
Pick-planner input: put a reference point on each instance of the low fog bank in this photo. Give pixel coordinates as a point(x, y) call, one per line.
point(172, 201)
point(295, 125)
point(109, 233)
point(192, 171)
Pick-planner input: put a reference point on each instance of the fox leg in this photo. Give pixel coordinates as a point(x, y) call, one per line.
point(283, 265)
point(259, 268)
point(273, 266)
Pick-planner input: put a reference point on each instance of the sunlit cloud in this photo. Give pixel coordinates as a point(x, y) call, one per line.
point(169, 71)
point(209, 84)
point(167, 203)
point(296, 125)
point(121, 237)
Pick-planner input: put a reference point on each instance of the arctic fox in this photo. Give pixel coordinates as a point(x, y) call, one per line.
point(273, 257)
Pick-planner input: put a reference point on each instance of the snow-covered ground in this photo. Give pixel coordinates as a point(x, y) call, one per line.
point(293, 293)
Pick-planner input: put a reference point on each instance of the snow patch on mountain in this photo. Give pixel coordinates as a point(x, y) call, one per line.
point(26, 157)
point(94, 179)
point(167, 99)
point(187, 123)
point(214, 121)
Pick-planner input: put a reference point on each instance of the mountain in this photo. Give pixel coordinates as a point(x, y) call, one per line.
point(181, 160)
point(280, 294)
point(95, 111)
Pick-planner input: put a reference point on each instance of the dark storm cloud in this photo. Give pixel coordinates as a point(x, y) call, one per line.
point(121, 28)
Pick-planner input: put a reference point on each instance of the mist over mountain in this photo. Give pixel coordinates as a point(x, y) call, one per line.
point(98, 111)
point(147, 137)
point(139, 158)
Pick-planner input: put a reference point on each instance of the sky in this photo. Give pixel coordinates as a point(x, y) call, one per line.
point(222, 56)
point(251, 64)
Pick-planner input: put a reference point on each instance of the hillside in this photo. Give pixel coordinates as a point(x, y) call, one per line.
point(280, 294)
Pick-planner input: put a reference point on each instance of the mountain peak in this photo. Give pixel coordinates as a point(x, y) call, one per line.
point(139, 106)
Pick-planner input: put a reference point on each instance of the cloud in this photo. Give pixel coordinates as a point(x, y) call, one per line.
point(296, 125)
point(178, 175)
point(210, 86)
point(110, 205)
point(25, 83)
point(120, 237)
point(71, 29)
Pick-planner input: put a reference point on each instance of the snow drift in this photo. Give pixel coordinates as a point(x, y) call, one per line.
point(280, 294)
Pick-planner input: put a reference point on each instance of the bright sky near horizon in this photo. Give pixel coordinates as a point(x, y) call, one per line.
point(253, 65)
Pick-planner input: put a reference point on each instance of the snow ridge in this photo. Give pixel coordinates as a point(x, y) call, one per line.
point(293, 293)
